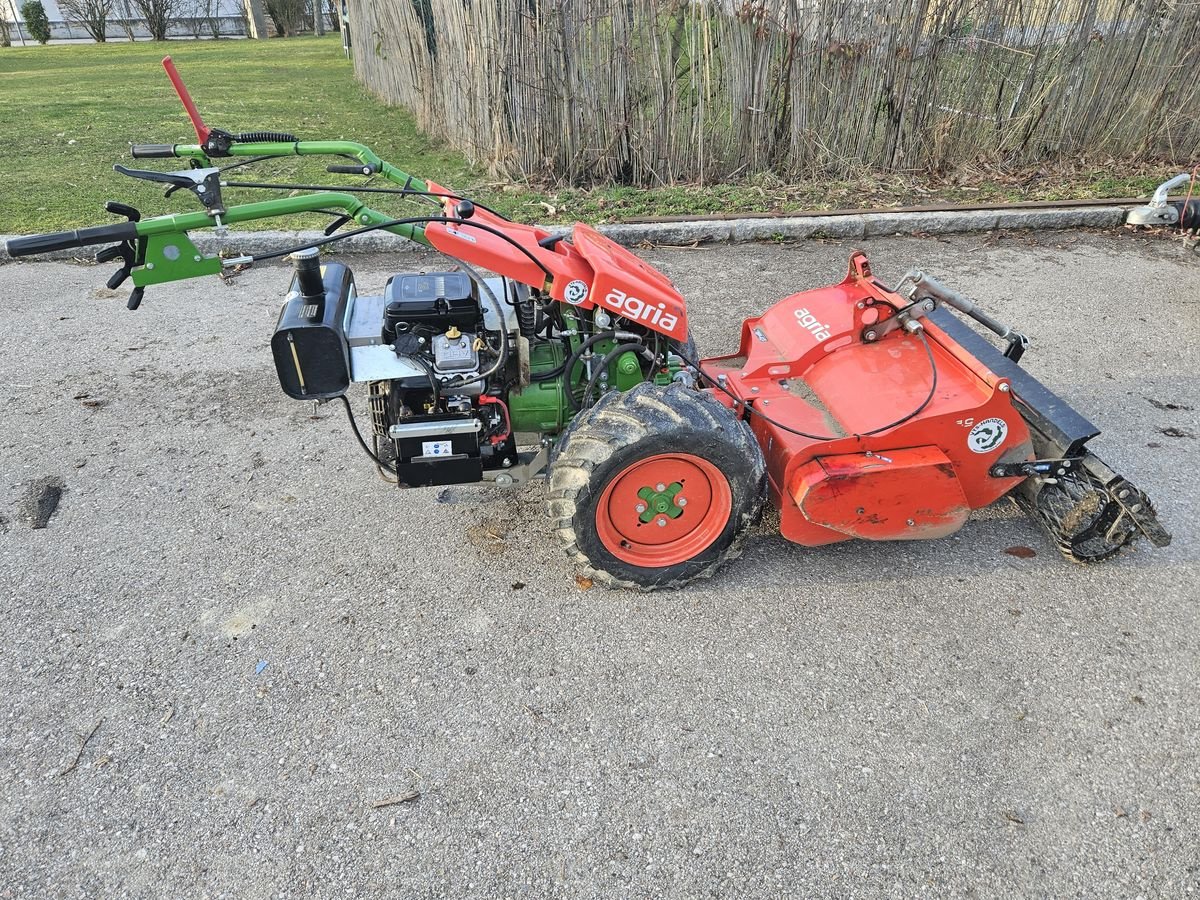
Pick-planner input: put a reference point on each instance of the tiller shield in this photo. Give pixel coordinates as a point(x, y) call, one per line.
point(883, 416)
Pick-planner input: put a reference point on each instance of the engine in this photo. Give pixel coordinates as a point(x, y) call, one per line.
point(455, 367)
point(433, 362)
point(446, 421)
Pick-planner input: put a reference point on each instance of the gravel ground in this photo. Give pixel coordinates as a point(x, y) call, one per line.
point(258, 644)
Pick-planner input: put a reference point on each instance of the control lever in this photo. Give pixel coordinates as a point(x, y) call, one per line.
point(126, 251)
point(204, 183)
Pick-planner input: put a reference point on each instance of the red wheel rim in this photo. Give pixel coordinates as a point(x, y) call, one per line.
point(647, 488)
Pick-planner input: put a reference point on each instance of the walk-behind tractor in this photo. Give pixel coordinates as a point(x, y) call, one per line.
point(858, 410)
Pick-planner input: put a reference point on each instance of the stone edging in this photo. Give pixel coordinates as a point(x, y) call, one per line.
point(862, 225)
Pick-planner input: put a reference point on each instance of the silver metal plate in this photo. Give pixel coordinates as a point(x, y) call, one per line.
point(370, 358)
point(516, 292)
point(434, 429)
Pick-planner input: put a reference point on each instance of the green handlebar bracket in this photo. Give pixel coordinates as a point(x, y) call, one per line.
point(172, 257)
point(166, 253)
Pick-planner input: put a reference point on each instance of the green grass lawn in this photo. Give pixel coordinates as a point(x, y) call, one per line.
point(68, 112)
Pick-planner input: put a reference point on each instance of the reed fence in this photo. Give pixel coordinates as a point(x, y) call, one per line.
point(663, 91)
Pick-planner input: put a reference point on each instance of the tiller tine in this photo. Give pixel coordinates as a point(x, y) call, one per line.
point(1089, 511)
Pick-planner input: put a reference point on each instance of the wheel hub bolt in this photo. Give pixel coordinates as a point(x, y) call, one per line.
point(660, 487)
point(681, 501)
point(641, 507)
point(662, 523)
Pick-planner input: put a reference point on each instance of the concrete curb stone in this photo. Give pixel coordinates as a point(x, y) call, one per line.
point(700, 231)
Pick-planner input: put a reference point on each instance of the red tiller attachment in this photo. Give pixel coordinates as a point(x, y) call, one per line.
point(859, 439)
point(876, 423)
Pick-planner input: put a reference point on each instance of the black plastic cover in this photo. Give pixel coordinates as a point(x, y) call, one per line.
point(312, 354)
point(439, 459)
point(435, 301)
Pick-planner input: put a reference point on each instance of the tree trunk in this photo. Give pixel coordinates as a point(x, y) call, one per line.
point(256, 19)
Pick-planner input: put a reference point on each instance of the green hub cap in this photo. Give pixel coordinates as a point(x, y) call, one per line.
point(660, 501)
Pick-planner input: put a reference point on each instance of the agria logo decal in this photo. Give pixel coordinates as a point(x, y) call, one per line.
point(640, 310)
point(812, 324)
point(987, 435)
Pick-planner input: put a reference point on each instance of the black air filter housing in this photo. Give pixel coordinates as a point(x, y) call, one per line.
point(432, 302)
point(312, 355)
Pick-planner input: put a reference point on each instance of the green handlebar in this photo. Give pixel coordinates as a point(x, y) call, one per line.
point(284, 206)
point(361, 152)
point(167, 254)
point(159, 249)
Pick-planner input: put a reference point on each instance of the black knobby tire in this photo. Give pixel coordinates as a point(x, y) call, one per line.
point(625, 430)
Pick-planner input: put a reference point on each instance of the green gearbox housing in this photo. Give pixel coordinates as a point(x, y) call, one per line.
point(542, 406)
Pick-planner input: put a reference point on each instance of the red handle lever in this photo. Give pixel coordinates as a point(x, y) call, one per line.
point(202, 130)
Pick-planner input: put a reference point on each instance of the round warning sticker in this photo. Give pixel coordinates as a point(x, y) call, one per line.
point(987, 435)
point(575, 292)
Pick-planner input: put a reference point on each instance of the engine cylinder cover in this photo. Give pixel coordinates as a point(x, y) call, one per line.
point(455, 354)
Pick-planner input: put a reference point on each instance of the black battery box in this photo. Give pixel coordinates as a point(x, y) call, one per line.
point(437, 449)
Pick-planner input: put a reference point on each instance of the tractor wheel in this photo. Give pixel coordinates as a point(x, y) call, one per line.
point(655, 487)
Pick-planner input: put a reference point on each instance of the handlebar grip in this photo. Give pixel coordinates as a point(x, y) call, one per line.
point(152, 151)
point(360, 169)
point(66, 240)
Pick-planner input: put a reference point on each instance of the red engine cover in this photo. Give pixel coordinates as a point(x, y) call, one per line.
point(587, 272)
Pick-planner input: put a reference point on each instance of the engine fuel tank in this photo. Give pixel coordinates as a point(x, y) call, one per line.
point(312, 355)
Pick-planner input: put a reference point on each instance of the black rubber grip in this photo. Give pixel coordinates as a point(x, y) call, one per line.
point(360, 169)
point(66, 240)
point(152, 151)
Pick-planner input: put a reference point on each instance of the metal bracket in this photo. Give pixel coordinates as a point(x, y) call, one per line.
point(532, 465)
point(1017, 345)
point(1045, 467)
point(172, 257)
point(906, 318)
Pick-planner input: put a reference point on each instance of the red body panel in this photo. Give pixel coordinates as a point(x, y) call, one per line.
point(804, 365)
point(627, 286)
point(904, 493)
point(592, 271)
point(482, 248)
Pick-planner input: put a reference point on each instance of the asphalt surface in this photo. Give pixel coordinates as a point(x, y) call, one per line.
point(264, 652)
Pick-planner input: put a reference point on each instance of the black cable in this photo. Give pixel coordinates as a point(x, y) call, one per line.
point(403, 192)
point(358, 434)
point(608, 359)
point(568, 366)
point(245, 162)
point(750, 408)
point(416, 220)
point(433, 382)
